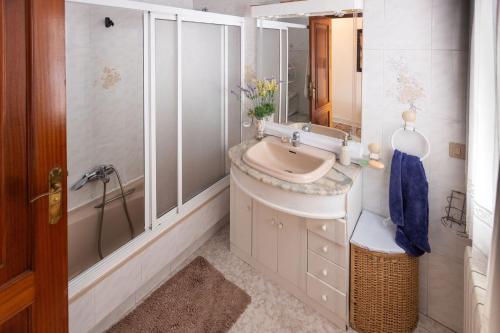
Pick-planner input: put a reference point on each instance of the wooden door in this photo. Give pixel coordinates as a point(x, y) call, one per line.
point(320, 92)
point(33, 253)
point(265, 238)
point(292, 249)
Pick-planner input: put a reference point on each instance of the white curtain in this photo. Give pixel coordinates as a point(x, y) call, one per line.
point(493, 299)
point(493, 295)
point(482, 126)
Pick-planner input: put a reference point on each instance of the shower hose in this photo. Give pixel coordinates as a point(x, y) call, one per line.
point(103, 206)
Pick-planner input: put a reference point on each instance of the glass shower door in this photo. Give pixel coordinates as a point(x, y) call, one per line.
point(203, 119)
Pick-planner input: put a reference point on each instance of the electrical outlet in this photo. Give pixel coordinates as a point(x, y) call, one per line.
point(457, 150)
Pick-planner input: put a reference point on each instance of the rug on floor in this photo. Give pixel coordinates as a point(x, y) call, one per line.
point(196, 299)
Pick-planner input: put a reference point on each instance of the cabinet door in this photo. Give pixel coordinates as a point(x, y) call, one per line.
point(265, 238)
point(241, 220)
point(292, 249)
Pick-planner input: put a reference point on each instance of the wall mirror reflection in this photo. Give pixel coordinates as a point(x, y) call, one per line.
point(318, 61)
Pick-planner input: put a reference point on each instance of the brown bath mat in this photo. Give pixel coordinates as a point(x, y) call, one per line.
point(197, 299)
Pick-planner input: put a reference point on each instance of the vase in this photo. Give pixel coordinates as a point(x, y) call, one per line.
point(261, 124)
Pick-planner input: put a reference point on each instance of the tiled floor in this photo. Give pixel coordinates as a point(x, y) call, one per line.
point(272, 309)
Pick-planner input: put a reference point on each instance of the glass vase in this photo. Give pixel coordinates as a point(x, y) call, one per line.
point(260, 124)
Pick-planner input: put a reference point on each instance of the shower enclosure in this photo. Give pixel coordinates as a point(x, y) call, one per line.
point(150, 117)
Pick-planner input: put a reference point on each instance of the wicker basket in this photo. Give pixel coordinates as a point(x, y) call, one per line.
point(384, 292)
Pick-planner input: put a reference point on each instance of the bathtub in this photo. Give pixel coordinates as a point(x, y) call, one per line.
point(83, 227)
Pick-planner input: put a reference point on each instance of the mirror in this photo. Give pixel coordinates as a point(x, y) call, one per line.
point(318, 61)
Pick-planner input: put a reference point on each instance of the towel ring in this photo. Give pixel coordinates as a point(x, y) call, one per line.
point(428, 151)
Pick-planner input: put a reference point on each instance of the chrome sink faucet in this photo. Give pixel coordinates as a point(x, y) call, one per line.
point(307, 127)
point(295, 139)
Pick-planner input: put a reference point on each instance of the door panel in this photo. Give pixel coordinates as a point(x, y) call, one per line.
point(241, 219)
point(33, 253)
point(18, 323)
point(15, 229)
point(265, 238)
point(292, 245)
point(320, 30)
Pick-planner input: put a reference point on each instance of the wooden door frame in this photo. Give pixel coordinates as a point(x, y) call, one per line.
point(38, 122)
point(47, 149)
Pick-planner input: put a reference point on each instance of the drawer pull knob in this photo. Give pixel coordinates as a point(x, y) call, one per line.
point(323, 227)
point(325, 249)
point(324, 298)
point(325, 272)
point(280, 225)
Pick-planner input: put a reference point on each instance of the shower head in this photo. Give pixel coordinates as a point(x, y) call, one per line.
point(101, 172)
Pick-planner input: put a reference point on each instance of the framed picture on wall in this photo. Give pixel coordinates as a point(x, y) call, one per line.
point(359, 56)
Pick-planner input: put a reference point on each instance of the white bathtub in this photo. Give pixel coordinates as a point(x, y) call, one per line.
point(83, 227)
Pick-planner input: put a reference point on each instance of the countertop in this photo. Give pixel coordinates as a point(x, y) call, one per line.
point(337, 181)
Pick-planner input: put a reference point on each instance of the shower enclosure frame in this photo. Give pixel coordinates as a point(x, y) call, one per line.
point(155, 226)
point(283, 65)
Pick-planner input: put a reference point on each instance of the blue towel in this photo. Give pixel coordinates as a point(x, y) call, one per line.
point(408, 203)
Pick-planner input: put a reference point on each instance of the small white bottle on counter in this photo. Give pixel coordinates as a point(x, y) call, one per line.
point(345, 157)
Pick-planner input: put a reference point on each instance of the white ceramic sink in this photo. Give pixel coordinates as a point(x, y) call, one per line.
point(303, 164)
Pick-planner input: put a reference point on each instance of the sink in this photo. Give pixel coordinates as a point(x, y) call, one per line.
point(303, 164)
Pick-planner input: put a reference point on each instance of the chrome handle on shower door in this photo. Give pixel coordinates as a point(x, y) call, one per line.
point(54, 194)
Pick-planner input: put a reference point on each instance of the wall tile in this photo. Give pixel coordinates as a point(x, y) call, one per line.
point(115, 289)
point(105, 122)
point(426, 42)
point(158, 255)
point(449, 86)
point(446, 291)
point(373, 25)
point(399, 65)
point(373, 79)
point(407, 24)
point(450, 24)
point(81, 313)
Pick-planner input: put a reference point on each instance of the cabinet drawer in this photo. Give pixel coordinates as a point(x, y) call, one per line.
point(326, 271)
point(327, 296)
point(333, 230)
point(329, 250)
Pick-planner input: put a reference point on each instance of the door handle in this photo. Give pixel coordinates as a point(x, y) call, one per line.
point(55, 195)
point(312, 90)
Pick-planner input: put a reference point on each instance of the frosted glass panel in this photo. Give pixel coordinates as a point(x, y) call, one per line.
point(234, 80)
point(284, 76)
point(203, 135)
point(105, 126)
point(270, 58)
point(166, 115)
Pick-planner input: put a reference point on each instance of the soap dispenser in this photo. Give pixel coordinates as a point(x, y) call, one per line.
point(345, 157)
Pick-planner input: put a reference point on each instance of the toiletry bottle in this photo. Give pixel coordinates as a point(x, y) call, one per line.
point(345, 157)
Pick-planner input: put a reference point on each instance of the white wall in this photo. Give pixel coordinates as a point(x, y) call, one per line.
point(104, 95)
point(425, 40)
point(174, 3)
point(346, 80)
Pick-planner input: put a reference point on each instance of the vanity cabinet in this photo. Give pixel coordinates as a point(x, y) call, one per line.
point(278, 243)
point(298, 240)
point(265, 236)
point(241, 220)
